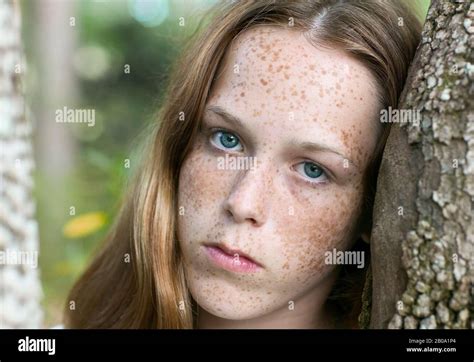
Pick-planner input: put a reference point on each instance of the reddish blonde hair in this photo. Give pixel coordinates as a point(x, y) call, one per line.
point(151, 291)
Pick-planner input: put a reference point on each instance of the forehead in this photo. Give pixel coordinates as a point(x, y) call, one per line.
point(275, 74)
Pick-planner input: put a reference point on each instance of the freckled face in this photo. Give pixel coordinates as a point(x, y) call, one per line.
point(299, 201)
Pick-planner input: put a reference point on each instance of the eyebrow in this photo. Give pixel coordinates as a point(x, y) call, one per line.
point(229, 118)
point(320, 147)
point(308, 146)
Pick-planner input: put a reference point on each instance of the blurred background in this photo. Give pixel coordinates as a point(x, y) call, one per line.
point(111, 57)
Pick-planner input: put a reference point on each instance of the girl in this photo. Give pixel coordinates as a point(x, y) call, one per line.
point(261, 165)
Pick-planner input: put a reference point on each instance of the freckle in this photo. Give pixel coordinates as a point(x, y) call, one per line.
point(263, 81)
point(311, 67)
point(287, 76)
point(360, 98)
point(242, 94)
point(345, 136)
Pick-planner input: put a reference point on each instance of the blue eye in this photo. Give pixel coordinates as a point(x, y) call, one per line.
point(311, 171)
point(226, 141)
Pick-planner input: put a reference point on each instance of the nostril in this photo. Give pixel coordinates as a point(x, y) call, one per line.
point(254, 222)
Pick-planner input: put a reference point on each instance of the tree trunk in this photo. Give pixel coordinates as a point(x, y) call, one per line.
point(20, 290)
point(423, 237)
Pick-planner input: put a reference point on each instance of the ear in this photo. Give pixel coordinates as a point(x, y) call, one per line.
point(366, 237)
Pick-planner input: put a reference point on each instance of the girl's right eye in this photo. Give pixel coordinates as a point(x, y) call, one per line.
point(226, 141)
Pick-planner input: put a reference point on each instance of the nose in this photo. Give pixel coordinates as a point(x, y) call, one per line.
point(249, 198)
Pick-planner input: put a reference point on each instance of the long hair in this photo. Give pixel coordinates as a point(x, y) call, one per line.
point(137, 278)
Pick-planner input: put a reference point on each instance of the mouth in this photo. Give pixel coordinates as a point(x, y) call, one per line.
point(231, 259)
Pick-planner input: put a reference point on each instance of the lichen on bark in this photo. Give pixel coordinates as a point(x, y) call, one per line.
point(20, 289)
point(434, 238)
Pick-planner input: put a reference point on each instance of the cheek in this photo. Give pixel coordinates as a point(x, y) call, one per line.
point(313, 226)
point(201, 183)
point(201, 192)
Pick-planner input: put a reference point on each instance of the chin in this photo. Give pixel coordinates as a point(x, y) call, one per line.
point(224, 310)
point(232, 305)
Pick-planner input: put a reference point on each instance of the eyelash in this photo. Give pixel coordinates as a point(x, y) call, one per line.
point(212, 132)
point(324, 174)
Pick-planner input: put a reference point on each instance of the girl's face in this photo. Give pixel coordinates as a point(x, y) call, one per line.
point(276, 173)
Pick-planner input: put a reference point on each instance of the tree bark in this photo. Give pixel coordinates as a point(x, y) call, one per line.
point(20, 290)
point(422, 242)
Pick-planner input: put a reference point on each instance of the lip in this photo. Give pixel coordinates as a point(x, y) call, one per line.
point(231, 259)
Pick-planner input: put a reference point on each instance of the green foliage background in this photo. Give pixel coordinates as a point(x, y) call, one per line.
point(109, 38)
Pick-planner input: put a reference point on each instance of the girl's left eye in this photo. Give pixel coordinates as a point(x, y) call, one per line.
point(226, 141)
point(311, 171)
